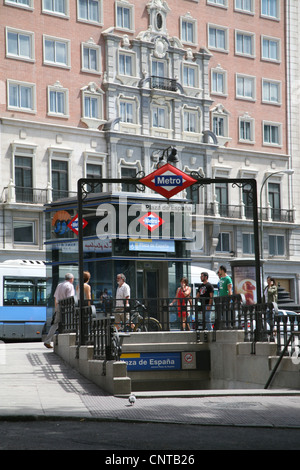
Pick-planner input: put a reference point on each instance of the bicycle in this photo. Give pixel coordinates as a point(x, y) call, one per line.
point(137, 322)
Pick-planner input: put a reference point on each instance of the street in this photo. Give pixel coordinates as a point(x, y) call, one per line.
point(120, 437)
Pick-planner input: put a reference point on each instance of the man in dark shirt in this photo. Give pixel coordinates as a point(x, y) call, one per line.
point(206, 292)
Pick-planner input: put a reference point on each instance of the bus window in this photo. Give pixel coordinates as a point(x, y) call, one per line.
point(18, 292)
point(41, 292)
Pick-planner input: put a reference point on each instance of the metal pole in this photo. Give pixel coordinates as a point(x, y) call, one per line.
point(256, 241)
point(80, 264)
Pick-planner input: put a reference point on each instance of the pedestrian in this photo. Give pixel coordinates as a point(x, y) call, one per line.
point(206, 293)
point(122, 298)
point(86, 288)
point(183, 294)
point(225, 283)
point(271, 291)
point(64, 290)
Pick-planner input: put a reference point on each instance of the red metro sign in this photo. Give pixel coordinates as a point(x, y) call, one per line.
point(168, 180)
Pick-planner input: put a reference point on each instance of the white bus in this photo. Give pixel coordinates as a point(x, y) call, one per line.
point(23, 299)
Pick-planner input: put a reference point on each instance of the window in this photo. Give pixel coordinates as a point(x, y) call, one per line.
point(271, 133)
point(127, 172)
point(126, 111)
point(224, 242)
point(20, 3)
point(245, 6)
point(19, 44)
point(245, 87)
point(124, 16)
point(94, 171)
point(158, 68)
point(271, 92)
point(24, 232)
point(271, 49)
point(248, 243)
point(58, 101)
point(248, 201)
point(59, 174)
point(125, 64)
point(21, 96)
point(246, 130)
point(56, 52)
point(276, 245)
point(91, 59)
point(23, 179)
point(219, 126)
point(89, 10)
point(188, 30)
point(218, 82)
point(189, 76)
point(274, 200)
point(218, 38)
point(190, 121)
point(24, 291)
point(92, 105)
point(244, 44)
point(221, 192)
point(159, 116)
point(270, 8)
point(219, 3)
point(57, 7)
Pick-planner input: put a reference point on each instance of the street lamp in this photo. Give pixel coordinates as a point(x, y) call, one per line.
point(287, 172)
point(171, 157)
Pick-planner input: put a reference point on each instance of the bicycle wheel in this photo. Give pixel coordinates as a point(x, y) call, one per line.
point(148, 324)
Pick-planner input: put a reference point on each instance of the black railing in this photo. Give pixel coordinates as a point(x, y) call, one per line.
point(163, 83)
point(259, 322)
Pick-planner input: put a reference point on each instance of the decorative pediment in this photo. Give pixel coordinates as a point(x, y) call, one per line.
point(158, 10)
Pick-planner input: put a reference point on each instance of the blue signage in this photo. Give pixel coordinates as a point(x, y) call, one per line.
point(152, 245)
point(152, 361)
point(168, 180)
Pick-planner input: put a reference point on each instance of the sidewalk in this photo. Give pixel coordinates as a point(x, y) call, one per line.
point(36, 384)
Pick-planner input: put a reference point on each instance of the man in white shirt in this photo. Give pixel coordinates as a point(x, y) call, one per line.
point(64, 290)
point(122, 297)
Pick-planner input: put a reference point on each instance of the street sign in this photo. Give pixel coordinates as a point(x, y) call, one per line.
point(151, 221)
point(168, 180)
point(152, 361)
point(73, 224)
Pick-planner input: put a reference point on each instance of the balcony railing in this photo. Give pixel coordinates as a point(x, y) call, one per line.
point(246, 212)
point(163, 83)
point(26, 195)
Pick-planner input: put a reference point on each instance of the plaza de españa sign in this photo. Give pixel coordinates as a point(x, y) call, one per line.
point(168, 180)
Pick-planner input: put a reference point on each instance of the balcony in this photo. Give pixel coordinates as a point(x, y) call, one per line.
point(245, 212)
point(163, 83)
point(22, 195)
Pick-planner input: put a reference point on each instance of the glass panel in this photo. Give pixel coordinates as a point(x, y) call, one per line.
point(49, 51)
point(24, 45)
point(12, 46)
point(61, 53)
point(13, 95)
point(23, 232)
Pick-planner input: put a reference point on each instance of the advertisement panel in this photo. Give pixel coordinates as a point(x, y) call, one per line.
point(244, 282)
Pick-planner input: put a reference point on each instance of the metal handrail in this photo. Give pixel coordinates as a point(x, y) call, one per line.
point(283, 352)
